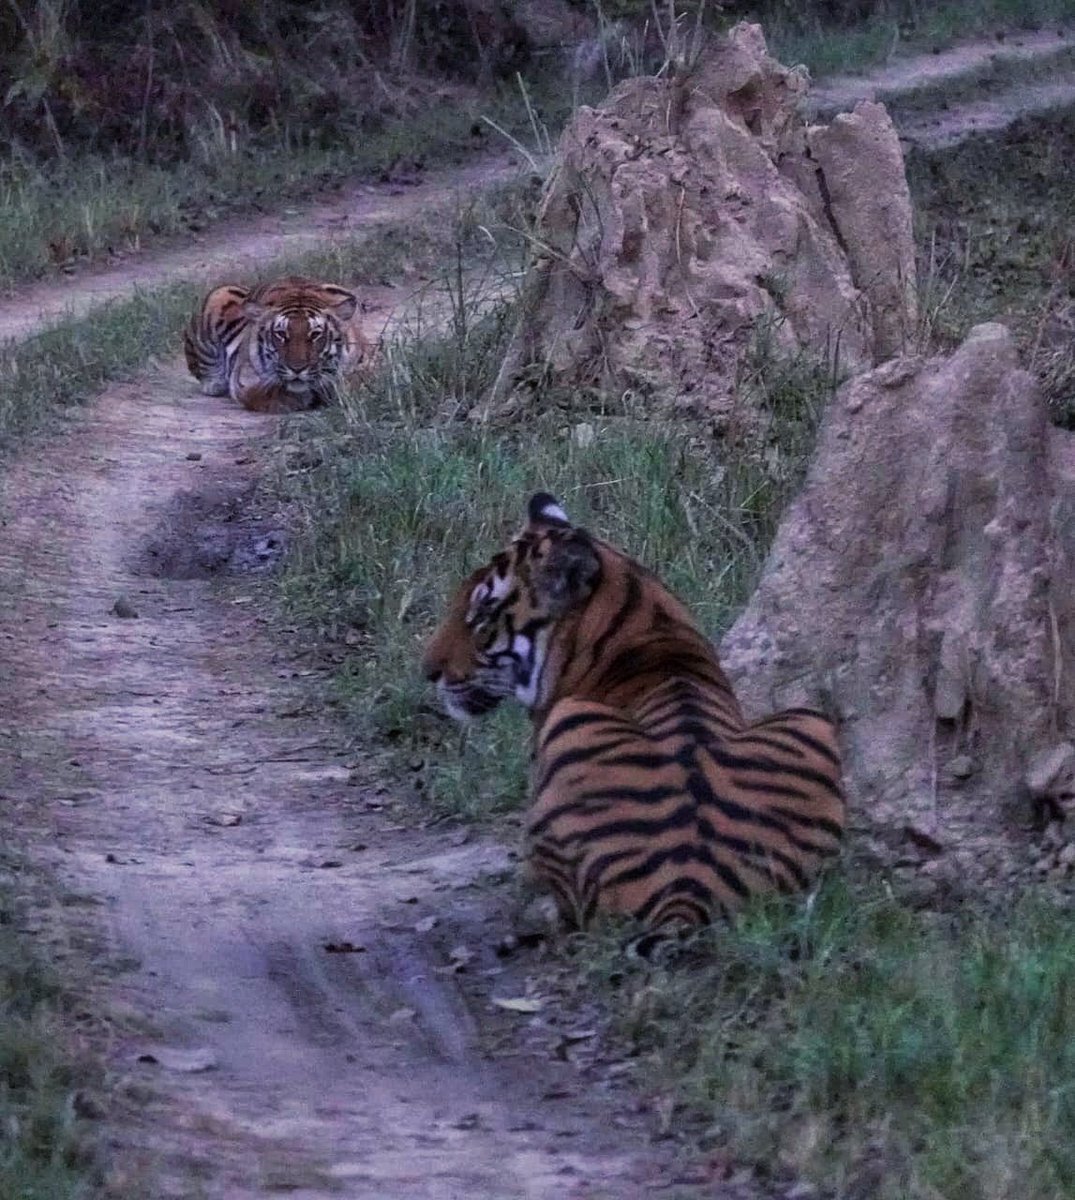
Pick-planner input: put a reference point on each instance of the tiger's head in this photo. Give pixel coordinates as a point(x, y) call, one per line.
point(298, 339)
point(495, 640)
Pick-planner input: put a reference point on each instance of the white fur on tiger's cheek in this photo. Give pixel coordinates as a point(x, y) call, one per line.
point(451, 706)
point(526, 690)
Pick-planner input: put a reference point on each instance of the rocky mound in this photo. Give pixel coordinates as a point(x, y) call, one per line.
point(685, 210)
point(923, 586)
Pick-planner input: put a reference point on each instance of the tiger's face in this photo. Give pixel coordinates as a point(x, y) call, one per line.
point(299, 340)
point(494, 641)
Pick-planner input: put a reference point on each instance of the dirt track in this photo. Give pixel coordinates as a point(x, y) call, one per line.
point(952, 123)
point(242, 246)
point(210, 817)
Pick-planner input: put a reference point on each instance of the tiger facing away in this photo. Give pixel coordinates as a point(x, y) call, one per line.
point(652, 797)
point(280, 347)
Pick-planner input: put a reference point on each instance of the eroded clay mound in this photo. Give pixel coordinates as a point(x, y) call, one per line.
point(685, 210)
point(923, 585)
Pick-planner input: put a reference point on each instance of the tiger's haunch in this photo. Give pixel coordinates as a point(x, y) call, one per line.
point(651, 795)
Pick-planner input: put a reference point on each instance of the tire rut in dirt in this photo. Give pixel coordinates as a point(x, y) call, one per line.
point(203, 534)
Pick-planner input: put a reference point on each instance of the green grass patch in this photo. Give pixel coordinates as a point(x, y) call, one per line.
point(69, 363)
point(872, 1049)
point(43, 1151)
point(985, 83)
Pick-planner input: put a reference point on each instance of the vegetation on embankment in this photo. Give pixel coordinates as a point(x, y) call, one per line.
point(129, 121)
point(125, 121)
point(995, 217)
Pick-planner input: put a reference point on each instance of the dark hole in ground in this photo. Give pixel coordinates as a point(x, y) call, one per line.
point(210, 533)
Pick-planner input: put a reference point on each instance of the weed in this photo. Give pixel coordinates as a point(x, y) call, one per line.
point(866, 1046)
point(42, 1151)
point(85, 208)
point(854, 35)
point(1003, 252)
point(1000, 75)
point(70, 362)
point(827, 36)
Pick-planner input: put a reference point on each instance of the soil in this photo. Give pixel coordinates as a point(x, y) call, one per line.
point(302, 991)
point(288, 958)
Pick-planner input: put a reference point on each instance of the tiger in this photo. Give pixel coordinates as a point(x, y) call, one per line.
point(280, 347)
point(652, 797)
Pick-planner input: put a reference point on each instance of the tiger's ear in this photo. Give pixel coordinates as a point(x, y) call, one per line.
point(252, 309)
point(568, 574)
point(544, 509)
point(342, 302)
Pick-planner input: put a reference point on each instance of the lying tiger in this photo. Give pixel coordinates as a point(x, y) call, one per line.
point(652, 796)
point(280, 347)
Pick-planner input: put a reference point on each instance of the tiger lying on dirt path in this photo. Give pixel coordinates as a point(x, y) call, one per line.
point(652, 796)
point(280, 347)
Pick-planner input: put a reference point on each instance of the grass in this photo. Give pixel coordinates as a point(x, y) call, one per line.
point(870, 1048)
point(81, 206)
point(122, 124)
point(851, 37)
point(874, 1049)
point(69, 363)
point(877, 1050)
point(1004, 252)
point(85, 208)
point(43, 1152)
point(1001, 75)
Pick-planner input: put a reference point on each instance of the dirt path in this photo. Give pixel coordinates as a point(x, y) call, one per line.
point(951, 122)
point(241, 246)
point(297, 1025)
point(926, 70)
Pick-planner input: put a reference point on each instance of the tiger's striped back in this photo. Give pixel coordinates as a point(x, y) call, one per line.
point(652, 796)
point(277, 348)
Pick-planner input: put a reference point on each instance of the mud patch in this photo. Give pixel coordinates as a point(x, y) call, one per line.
point(210, 533)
